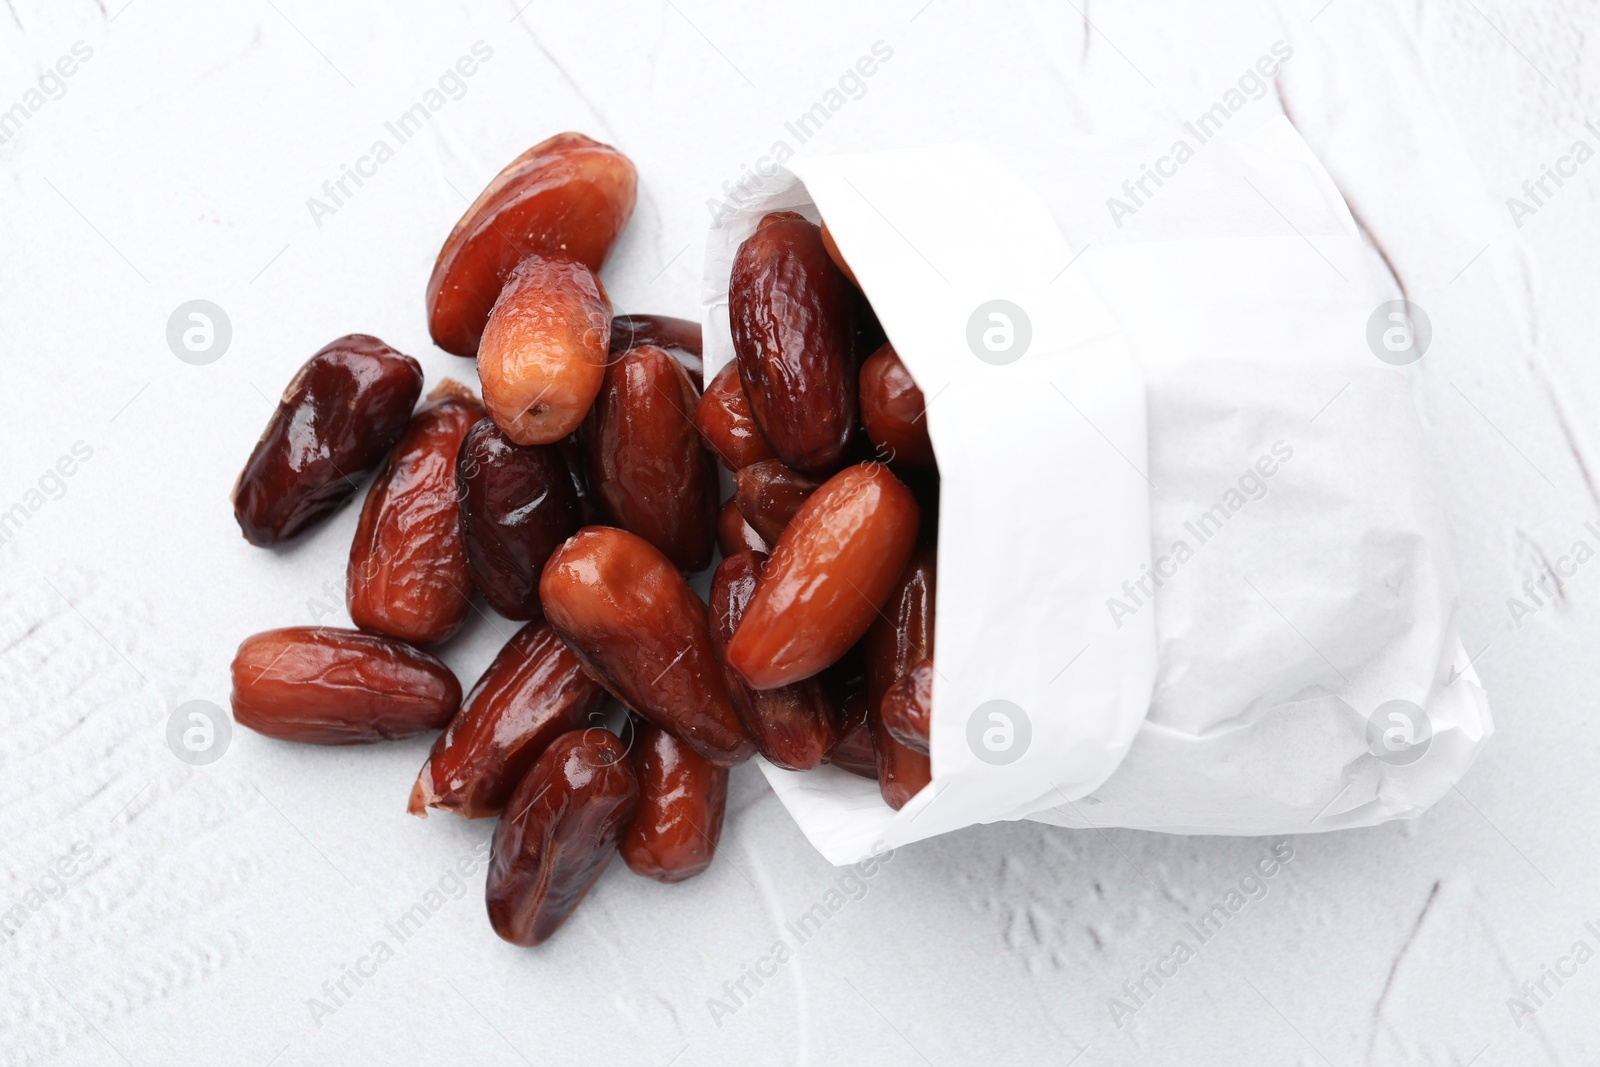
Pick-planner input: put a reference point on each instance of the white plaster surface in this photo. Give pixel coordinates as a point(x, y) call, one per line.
point(208, 905)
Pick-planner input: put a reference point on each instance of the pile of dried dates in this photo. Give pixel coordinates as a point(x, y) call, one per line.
point(577, 495)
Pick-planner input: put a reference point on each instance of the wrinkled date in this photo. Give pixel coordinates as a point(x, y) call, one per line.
point(518, 503)
point(341, 413)
point(830, 573)
point(908, 705)
point(892, 410)
point(642, 633)
point(902, 772)
point(902, 636)
point(734, 534)
point(791, 311)
point(543, 354)
point(679, 337)
point(646, 460)
point(793, 725)
point(325, 686)
point(568, 196)
point(768, 495)
point(408, 575)
point(723, 417)
point(559, 830)
point(532, 693)
point(682, 798)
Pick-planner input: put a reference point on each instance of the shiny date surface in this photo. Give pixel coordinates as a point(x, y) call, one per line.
point(408, 575)
point(633, 621)
point(769, 494)
point(723, 418)
point(559, 830)
point(568, 196)
point(908, 707)
point(326, 686)
point(680, 338)
point(892, 410)
point(342, 412)
point(682, 799)
point(735, 535)
point(532, 693)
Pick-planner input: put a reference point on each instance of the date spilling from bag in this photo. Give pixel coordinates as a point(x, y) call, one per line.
point(579, 496)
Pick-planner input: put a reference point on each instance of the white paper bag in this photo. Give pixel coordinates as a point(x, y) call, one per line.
point(1191, 578)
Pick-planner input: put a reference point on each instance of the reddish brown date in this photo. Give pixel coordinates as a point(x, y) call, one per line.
point(638, 628)
point(559, 830)
point(735, 535)
point(325, 686)
point(543, 354)
point(908, 706)
point(793, 725)
point(902, 636)
point(830, 573)
point(768, 495)
point(853, 750)
point(902, 772)
point(646, 460)
point(340, 414)
point(679, 337)
point(590, 510)
point(723, 416)
point(682, 798)
point(892, 410)
point(568, 196)
point(517, 504)
point(408, 574)
point(791, 311)
point(532, 693)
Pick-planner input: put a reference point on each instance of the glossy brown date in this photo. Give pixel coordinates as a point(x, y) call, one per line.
point(568, 196)
point(902, 636)
point(639, 629)
point(532, 693)
point(830, 573)
point(559, 830)
point(735, 535)
point(793, 725)
point(902, 772)
point(769, 494)
point(517, 504)
point(325, 686)
point(408, 574)
point(723, 417)
point(543, 354)
point(892, 410)
point(591, 511)
point(646, 460)
point(908, 706)
point(791, 312)
point(853, 750)
point(679, 337)
point(682, 798)
point(342, 411)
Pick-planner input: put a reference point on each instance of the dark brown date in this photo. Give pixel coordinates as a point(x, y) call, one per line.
point(853, 750)
point(342, 411)
point(324, 686)
point(646, 460)
point(408, 574)
point(908, 706)
point(682, 798)
point(902, 636)
point(892, 410)
point(532, 693)
point(735, 535)
point(791, 312)
point(793, 725)
point(768, 494)
point(559, 830)
point(723, 416)
point(832, 569)
point(640, 631)
point(543, 354)
point(679, 337)
point(902, 772)
point(517, 504)
point(568, 196)
point(591, 511)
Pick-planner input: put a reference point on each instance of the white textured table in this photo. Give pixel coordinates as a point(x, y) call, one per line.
point(153, 912)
